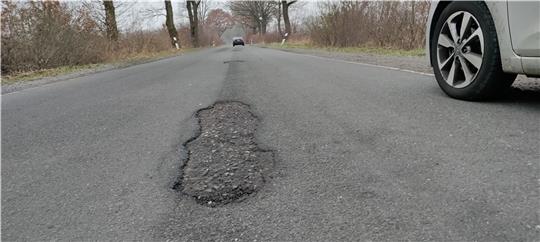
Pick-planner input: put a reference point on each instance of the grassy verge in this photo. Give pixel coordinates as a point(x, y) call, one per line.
point(123, 61)
point(358, 50)
point(32, 75)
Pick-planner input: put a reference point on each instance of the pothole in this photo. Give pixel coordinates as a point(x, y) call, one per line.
point(224, 161)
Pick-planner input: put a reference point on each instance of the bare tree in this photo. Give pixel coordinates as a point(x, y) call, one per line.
point(285, 7)
point(97, 10)
point(110, 20)
point(193, 7)
point(205, 6)
point(278, 17)
point(219, 20)
point(169, 22)
point(257, 13)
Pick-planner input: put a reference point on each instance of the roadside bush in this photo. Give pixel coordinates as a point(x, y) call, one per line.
point(395, 24)
point(269, 37)
point(49, 34)
point(139, 42)
point(40, 35)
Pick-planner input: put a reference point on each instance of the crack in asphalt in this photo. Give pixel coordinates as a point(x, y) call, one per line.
point(223, 161)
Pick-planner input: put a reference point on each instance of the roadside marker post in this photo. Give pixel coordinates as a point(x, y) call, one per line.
point(283, 40)
point(176, 43)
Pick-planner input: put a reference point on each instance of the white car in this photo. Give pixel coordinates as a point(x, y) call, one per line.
point(476, 48)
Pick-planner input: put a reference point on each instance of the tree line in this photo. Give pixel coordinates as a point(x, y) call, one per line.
point(47, 34)
point(256, 15)
point(384, 24)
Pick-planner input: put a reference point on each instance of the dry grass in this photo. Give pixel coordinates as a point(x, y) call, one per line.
point(359, 50)
point(124, 60)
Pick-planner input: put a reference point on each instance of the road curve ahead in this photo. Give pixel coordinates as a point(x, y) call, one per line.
point(361, 153)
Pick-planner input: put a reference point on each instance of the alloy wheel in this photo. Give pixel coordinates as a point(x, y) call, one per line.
point(460, 48)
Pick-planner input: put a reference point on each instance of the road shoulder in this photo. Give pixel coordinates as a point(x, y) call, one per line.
point(415, 64)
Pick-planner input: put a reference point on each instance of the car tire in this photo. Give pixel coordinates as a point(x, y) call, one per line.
point(489, 79)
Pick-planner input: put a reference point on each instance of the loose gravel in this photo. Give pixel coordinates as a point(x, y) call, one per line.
point(224, 161)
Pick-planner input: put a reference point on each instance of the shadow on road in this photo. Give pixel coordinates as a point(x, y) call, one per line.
point(517, 95)
point(522, 97)
point(237, 48)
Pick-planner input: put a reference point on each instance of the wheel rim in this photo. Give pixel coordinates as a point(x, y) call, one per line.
point(460, 49)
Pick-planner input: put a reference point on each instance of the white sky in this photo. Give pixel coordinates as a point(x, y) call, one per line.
point(138, 12)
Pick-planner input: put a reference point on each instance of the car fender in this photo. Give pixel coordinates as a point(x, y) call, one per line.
point(432, 8)
point(510, 61)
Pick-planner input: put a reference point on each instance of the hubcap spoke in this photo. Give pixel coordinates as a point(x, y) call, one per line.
point(466, 71)
point(451, 74)
point(445, 63)
point(445, 41)
point(474, 59)
point(464, 24)
point(453, 32)
point(476, 33)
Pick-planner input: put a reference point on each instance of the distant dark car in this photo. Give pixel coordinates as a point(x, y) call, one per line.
point(237, 41)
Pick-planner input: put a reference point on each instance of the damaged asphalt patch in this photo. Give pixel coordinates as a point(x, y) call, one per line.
point(224, 162)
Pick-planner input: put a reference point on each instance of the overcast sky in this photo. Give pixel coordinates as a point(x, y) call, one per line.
point(140, 12)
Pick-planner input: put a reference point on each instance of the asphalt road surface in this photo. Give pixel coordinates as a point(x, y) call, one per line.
point(362, 153)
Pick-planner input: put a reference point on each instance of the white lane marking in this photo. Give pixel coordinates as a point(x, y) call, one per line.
point(363, 64)
point(16, 91)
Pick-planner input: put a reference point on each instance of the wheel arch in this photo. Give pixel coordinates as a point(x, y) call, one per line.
point(435, 15)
